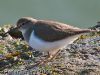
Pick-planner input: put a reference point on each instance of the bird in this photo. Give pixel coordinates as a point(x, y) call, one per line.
point(48, 35)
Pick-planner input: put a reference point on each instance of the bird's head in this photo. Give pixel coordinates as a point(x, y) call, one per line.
point(25, 22)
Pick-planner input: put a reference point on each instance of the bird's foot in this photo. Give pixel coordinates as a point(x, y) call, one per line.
point(46, 60)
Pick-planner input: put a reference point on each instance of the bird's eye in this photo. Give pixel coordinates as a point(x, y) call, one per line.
point(23, 23)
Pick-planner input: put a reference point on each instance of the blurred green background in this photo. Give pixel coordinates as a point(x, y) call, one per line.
point(81, 13)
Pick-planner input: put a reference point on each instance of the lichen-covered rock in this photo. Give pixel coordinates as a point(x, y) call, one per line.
point(80, 58)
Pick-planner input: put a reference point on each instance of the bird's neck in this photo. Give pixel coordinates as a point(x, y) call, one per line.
point(26, 33)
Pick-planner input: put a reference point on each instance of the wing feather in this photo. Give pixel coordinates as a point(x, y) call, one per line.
point(52, 31)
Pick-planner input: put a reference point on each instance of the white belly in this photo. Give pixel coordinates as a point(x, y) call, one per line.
point(41, 45)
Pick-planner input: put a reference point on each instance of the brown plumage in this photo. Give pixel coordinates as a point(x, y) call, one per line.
point(50, 30)
point(53, 31)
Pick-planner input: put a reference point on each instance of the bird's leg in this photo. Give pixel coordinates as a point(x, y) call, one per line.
point(51, 56)
point(54, 55)
point(48, 55)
